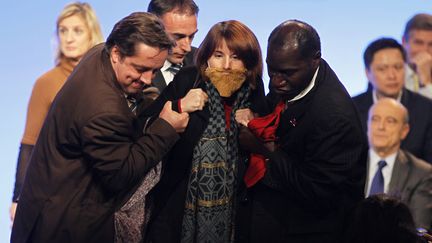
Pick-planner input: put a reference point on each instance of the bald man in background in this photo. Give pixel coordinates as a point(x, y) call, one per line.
point(392, 170)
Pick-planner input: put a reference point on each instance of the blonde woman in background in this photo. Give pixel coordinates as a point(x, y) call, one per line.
point(77, 30)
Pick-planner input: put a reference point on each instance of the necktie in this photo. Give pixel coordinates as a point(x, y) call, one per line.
point(132, 102)
point(377, 186)
point(174, 68)
point(264, 128)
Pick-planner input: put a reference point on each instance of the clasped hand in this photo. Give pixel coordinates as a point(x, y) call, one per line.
point(177, 120)
point(422, 63)
point(250, 143)
point(243, 116)
point(194, 100)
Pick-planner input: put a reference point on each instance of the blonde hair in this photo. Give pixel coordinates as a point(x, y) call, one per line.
point(87, 14)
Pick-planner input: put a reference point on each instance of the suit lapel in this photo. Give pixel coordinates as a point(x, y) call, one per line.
point(189, 59)
point(401, 170)
point(405, 98)
point(159, 81)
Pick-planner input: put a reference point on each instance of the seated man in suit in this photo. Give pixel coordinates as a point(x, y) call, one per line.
point(180, 20)
point(392, 170)
point(384, 60)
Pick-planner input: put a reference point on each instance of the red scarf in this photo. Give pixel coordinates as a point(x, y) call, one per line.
point(264, 128)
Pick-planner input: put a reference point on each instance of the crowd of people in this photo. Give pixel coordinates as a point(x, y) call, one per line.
point(166, 142)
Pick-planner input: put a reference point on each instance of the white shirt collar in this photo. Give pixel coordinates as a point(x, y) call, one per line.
point(387, 170)
point(409, 72)
point(304, 92)
point(166, 65)
point(168, 76)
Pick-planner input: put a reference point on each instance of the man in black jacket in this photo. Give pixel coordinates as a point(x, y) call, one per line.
point(315, 171)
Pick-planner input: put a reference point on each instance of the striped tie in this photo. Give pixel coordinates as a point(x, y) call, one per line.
point(174, 68)
point(132, 103)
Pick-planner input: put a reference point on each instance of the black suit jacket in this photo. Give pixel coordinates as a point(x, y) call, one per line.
point(411, 180)
point(169, 194)
point(316, 174)
point(89, 158)
point(159, 81)
point(419, 139)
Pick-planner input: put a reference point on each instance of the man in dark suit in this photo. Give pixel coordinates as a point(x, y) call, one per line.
point(180, 20)
point(403, 174)
point(316, 170)
point(384, 61)
point(92, 154)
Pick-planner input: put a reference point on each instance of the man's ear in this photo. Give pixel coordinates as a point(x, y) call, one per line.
point(404, 41)
point(317, 55)
point(368, 74)
point(115, 54)
point(405, 131)
point(316, 58)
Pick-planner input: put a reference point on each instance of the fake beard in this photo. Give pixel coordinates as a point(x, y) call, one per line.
point(227, 82)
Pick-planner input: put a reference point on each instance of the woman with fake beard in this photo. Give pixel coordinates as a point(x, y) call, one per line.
point(195, 199)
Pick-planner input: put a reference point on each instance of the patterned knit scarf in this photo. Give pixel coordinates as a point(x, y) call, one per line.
point(209, 206)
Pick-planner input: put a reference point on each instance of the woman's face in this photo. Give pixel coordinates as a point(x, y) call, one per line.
point(74, 37)
point(223, 58)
